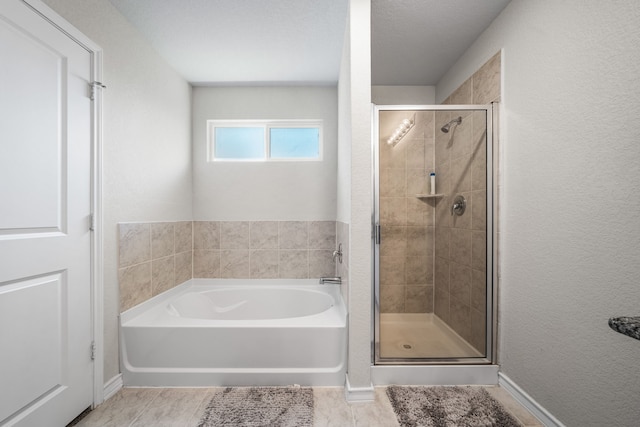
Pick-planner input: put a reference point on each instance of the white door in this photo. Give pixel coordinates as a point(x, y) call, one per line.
point(46, 371)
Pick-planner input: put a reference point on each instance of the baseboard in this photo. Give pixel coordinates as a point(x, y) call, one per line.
point(528, 402)
point(358, 394)
point(112, 386)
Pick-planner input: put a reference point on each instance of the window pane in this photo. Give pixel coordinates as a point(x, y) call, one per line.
point(295, 143)
point(239, 143)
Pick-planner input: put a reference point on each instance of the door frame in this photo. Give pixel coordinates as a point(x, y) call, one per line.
point(97, 264)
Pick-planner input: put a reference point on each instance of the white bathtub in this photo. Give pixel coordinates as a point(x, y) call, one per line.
point(215, 332)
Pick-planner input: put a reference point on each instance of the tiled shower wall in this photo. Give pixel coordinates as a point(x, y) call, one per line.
point(406, 245)
point(154, 257)
point(460, 249)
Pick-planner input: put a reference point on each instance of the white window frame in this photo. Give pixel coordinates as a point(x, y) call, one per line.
point(266, 125)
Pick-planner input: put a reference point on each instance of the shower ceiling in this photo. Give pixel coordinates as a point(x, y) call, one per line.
point(300, 41)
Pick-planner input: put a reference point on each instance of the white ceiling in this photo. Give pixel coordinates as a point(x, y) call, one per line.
point(244, 42)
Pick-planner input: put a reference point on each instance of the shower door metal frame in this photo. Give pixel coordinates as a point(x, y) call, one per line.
point(491, 248)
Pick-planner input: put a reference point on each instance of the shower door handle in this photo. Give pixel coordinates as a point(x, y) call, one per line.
point(376, 233)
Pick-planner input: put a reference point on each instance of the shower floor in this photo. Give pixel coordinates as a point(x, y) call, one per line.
point(420, 335)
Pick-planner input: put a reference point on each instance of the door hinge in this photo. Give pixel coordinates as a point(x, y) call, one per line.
point(94, 87)
point(92, 222)
point(376, 233)
point(93, 350)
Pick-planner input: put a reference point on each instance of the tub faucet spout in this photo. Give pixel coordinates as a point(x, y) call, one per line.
point(336, 280)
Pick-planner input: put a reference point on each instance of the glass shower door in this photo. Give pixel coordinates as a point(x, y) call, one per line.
point(434, 287)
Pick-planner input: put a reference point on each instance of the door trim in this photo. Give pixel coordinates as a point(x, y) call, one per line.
point(97, 265)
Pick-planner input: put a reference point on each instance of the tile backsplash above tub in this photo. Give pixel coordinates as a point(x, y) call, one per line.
point(263, 249)
point(154, 257)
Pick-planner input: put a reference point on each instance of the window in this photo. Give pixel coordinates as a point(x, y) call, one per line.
point(265, 140)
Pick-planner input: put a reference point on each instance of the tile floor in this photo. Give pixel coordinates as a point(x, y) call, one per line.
point(178, 407)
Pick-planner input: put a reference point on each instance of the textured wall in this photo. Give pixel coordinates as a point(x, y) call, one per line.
point(569, 210)
point(147, 140)
point(259, 191)
point(360, 280)
point(343, 191)
point(343, 208)
point(403, 95)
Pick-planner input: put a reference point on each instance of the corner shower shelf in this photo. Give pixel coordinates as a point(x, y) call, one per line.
point(429, 196)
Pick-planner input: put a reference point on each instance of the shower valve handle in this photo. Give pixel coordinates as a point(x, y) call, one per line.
point(459, 205)
point(338, 254)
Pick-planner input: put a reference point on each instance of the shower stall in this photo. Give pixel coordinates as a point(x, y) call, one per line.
point(433, 240)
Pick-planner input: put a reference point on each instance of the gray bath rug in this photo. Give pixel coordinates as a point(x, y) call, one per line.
point(447, 407)
point(260, 406)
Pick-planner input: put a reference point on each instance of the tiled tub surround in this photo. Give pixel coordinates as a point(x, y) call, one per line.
point(154, 257)
point(263, 249)
point(407, 233)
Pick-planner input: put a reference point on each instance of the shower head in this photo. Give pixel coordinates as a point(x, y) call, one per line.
point(447, 127)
